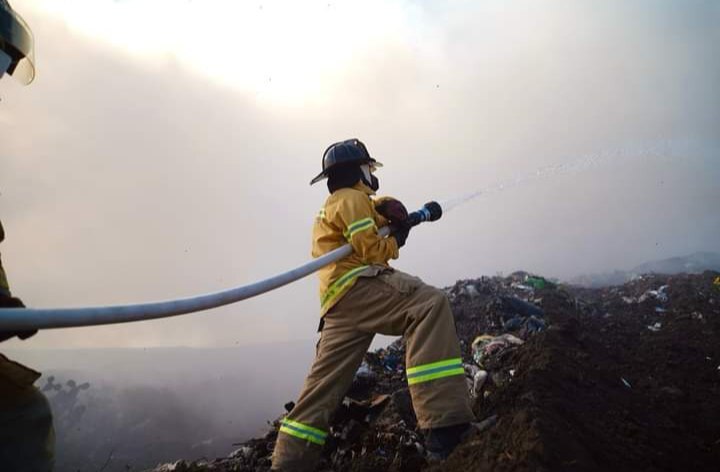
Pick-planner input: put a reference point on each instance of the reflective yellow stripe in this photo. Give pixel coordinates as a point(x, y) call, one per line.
point(357, 226)
point(436, 370)
point(436, 375)
point(340, 285)
point(302, 431)
point(426, 367)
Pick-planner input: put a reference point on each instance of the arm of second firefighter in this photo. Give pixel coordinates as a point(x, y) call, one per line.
point(359, 220)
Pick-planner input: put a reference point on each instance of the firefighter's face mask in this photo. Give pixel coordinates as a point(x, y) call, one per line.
point(369, 178)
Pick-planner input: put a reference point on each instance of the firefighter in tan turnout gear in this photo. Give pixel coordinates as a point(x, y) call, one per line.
point(361, 295)
point(26, 431)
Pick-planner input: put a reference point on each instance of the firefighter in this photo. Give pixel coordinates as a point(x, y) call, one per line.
point(26, 431)
point(361, 295)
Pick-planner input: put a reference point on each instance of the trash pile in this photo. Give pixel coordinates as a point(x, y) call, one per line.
point(563, 378)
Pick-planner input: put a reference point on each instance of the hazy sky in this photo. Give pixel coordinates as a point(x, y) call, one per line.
point(165, 148)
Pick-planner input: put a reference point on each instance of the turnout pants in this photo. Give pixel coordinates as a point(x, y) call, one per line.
point(27, 437)
point(392, 303)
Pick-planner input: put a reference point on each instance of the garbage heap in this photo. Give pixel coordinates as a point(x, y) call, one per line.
point(375, 426)
point(620, 378)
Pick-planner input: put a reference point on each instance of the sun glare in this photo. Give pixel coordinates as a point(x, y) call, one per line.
point(284, 52)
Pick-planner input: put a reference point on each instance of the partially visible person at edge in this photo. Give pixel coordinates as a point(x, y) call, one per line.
point(361, 295)
point(26, 431)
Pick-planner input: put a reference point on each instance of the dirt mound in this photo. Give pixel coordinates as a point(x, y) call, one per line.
point(623, 378)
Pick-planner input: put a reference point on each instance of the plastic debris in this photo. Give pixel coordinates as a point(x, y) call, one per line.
point(471, 291)
point(537, 282)
point(479, 381)
point(513, 323)
point(375, 427)
point(365, 371)
point(524, 287)
point(519, 315)
point(658, 294)
point(525, 326)
point(655, 327)
point(391, 357)
point(486, 423)
point(487, 346)
point(520, 307)
point(243, 452)
point(532, 325)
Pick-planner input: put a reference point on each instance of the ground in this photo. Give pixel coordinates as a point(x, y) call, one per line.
point(620, 378)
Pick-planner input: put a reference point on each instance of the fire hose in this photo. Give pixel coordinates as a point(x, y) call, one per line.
point(17, 319)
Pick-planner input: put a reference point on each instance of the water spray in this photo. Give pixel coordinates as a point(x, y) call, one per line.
point(641, 152)
point(14, 319)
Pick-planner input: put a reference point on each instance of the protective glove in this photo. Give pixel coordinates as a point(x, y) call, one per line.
point(13, 302)
point(392, 209)
point(400, 233)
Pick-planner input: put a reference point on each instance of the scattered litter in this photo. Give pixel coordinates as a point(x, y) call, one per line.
point(243, 452)
point(526, 326)
point(365, 371)
point(375, 427)
point(655, 327)
point(537, 282)
point(471, 291)
point(479, 381)
point(391, 358)
point(487, 346)
point(520, 307)
point(486, 423)
point(524, 287)
point(658, 294)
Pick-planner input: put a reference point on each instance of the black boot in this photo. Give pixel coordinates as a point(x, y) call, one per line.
point(440, 442)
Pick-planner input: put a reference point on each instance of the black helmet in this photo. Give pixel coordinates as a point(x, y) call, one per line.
point(16, 45)
point(350, 151)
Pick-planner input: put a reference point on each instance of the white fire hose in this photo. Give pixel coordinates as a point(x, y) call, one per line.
point(21, 319)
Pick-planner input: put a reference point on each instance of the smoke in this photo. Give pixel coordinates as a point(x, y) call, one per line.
point(140, 407)
point(130, 176)
point(562, 137)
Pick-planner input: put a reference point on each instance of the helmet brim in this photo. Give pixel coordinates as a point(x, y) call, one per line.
point(322, 175)
point(318, 178)
point(16, 41)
